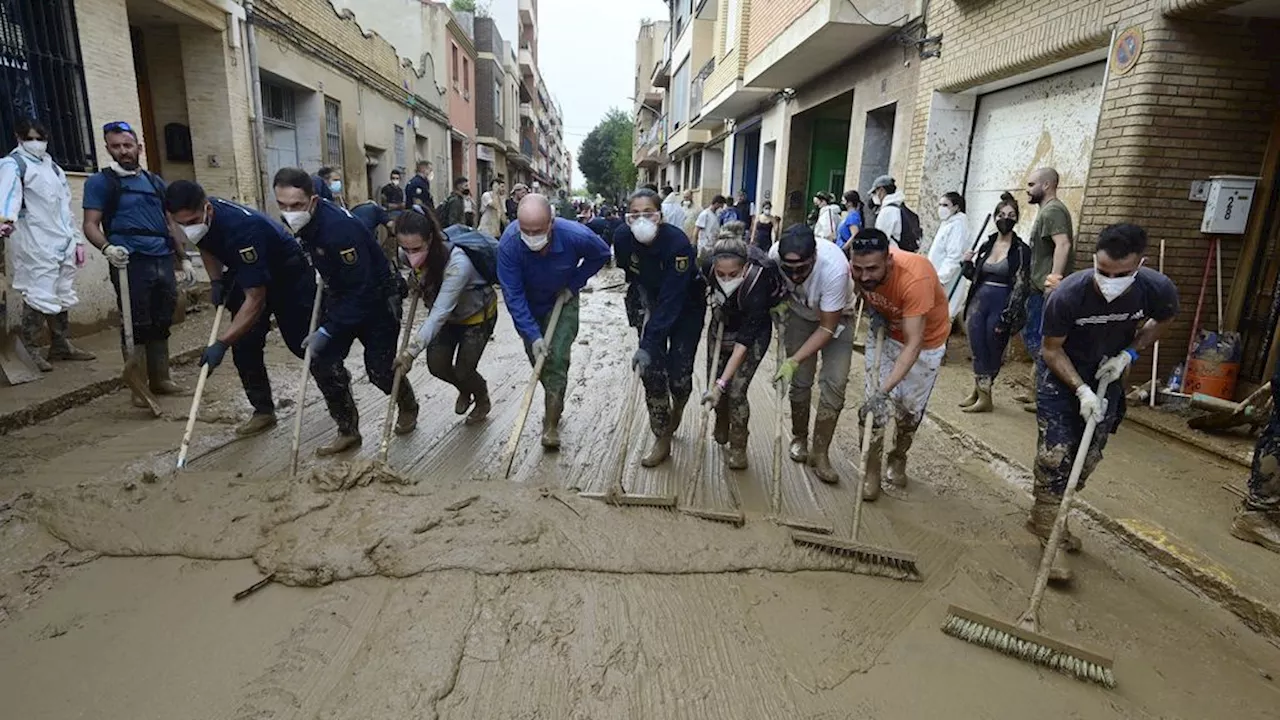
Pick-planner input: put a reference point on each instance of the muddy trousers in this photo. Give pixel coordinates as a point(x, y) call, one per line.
point(734, 411)
point(555, 372)
point(832, 378)
point(668, 381)
point(1264, 478)
point(153, 297)
point(1061, 429)
point(454, 354)
point(988, 346)
point(378, 334)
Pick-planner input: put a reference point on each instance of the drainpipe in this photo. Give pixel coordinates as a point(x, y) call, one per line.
point(259, 129)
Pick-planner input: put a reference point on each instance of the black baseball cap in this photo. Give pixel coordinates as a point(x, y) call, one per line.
point(797, 240)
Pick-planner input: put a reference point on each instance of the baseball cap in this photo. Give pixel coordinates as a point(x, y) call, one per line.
point(797, 240)
point(883, 181)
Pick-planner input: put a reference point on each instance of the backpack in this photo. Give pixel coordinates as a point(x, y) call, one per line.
point(117, 190)
point(910, 240)
point(481, 250)
point(22, 177)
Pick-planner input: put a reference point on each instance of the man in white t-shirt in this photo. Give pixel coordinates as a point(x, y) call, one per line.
point(884, 193)
point(708, 225)
point(819, 305)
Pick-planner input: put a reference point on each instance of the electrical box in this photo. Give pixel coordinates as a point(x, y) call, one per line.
point(1226, 210)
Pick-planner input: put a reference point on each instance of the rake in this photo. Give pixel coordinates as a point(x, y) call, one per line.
point(734, 517)
point(1023, 639)
point(868, 559)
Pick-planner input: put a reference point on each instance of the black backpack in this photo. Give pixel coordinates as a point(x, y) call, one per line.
point(910, 240)
point(481, 250)
point(117, 189)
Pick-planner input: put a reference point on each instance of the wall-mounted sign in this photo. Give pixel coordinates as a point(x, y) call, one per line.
point(484, 152)
point(1125, 53)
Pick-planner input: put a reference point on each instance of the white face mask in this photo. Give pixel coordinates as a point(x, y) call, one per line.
point(36, 147)
point(196, 233)
point(535, 242)
point(944, 212)
point(729, 285)
point(1112, 288)
point(645, 230)
point(296, 219)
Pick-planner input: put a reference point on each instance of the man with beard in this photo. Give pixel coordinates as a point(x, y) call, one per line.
point(1051, 241)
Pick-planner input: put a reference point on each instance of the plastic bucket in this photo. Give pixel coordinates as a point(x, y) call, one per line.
point(1211, 378)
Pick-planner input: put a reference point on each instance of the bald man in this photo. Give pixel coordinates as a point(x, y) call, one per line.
point(1051, 259)
point(541, 258)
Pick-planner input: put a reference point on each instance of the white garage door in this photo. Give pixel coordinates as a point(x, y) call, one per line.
point(1048, 122)
point(282, 148)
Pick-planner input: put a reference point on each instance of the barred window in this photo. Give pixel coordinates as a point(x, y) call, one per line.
point(333, 133)
point(42, 76)
point(277, 104)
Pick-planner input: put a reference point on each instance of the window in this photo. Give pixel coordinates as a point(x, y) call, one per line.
point(680, 96)
point(466, 75)
point(401, 161)
point(42, 76)
point(731, 25)
point(333, 132)
point(682, 10)
point(499, 111)
point(277, 105)
point(454, 50)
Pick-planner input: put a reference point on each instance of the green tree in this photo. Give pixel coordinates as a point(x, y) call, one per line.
point(605, 157)
point(463, 6)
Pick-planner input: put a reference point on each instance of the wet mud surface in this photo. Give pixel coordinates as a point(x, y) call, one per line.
point(435, 588)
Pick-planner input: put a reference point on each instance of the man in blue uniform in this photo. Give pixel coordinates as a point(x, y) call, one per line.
point(666, 303)
point(418, 191)
point(259, 271)
point(124, 218)
point(361, 303)
point(541, 258)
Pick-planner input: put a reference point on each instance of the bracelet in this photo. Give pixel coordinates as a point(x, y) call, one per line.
point(1133, 355)
point(722, 384)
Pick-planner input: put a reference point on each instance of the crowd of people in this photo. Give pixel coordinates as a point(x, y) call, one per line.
point(803, 286)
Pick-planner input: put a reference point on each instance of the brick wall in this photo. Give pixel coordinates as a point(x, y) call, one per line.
point(769, 18)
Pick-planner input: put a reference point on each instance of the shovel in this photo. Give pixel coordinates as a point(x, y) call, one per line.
point(134, 376)
point(15, 360)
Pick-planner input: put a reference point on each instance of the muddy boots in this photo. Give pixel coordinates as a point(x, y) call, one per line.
point(982, 403)
point(1258, 526)
point(407, 404)
point(871, 477)
point(823, 429)
point(735, 456)
point(659, 451)
point(551, 422)
point(972, 397)
point(259, 423)
point(137, 363)
point(903, 437)
point(660, 422)
point(60, 347)
point(482, 406)
point(158, 369)
point(722, 422)
point(677, 413)
point(1044, 510)
point(32, 323)
point(345, 413)
point(463, 403)
point(799, 431)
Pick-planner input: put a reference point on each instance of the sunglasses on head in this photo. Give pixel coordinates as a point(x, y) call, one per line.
point(118, 126)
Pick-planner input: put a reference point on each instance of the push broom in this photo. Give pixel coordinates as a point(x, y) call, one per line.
point(509, 452)
point(734, 517)
point(868, 559)
point(388, 421)
point(1023, 639)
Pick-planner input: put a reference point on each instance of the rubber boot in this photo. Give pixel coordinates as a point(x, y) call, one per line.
point(463, 403)
point(551, 422)
point(257, 424)
point(407, 406)
point(721, 434)
point(481, 409)
point(823, 429)
point(973, 396)
point(799, 431)
point(139, 358)
point(32, 322)
point(1038, 527)
point(1044, 510)
point(347, 416)
point(659, 451)
point(983, 404)
point(677, 413)
point(60, 347)
point(735, 456)
point(871, 477)
point(896, 473)
point(158, 369)
point(1258, 526)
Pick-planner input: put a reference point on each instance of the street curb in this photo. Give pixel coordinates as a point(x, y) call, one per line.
point(1256, 614)
point(54, 406)
point(1190, 439)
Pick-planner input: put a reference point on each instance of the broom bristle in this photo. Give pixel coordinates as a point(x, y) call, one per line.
point(1051, 657)
point(865, 560)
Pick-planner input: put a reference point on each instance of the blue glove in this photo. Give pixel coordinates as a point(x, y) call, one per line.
point(317, 341)
point(217, 294)
point(213, 355)
point(640, 361)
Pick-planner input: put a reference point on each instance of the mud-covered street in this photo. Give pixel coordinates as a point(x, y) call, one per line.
point(447, 591)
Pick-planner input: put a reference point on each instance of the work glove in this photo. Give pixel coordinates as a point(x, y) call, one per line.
point(713, 394)
point(877, 406)
point(538, 349)
point(117, 256)
point(787, 370)
point(217, 292)
point(404, 362)
point(1111, 370)
point(1092, 407)
point(213, 355)
point(188, 275)
point(640, 361)
point(317, 341)
point(779, 311)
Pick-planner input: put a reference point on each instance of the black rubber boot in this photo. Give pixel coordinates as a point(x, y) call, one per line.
point(799, 431)
point(33, 321)
point(551, 422)
point(60, 347)
point(158, 369)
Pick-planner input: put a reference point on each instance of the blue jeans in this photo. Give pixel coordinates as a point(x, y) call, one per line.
point(1031, 334)
point(987, 346)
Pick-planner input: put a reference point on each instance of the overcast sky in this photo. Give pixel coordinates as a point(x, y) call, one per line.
point(587, 55)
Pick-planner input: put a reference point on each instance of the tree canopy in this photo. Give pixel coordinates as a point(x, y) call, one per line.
point(605, 157)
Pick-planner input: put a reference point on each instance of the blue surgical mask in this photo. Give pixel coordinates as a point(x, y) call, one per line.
point(335, 186)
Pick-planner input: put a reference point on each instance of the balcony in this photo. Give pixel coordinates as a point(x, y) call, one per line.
point(651, 145)
point(822, 37)
point(697, 88)
point(528, 16)
point(687, 138)
point(526, 111)
point(527, 66)
point(526, 147)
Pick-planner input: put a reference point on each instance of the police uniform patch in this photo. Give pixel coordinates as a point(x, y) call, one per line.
point(348, 256)
point(249, 255)
point(682, 264)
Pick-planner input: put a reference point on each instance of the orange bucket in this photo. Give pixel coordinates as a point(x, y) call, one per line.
point(1211, 378)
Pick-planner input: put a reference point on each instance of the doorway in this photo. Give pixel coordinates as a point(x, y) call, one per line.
point(746, 163)
point(151, 144)
point(877, 144)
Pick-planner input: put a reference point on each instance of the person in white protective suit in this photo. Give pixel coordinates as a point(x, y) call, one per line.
point(35, 211)
point(948, 248)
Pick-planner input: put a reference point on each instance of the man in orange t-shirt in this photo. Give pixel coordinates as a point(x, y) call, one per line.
point(904, 294)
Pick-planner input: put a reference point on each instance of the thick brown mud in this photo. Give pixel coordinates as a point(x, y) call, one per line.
point(439, 589)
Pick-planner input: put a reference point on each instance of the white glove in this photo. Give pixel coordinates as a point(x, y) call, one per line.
point(1091, 406)
point(188, 279)
point(1111, 370)
point(117, 256)
point(539, 349)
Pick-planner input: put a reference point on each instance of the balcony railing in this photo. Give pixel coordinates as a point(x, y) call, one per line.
point(699, 82)
point(526, 147)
